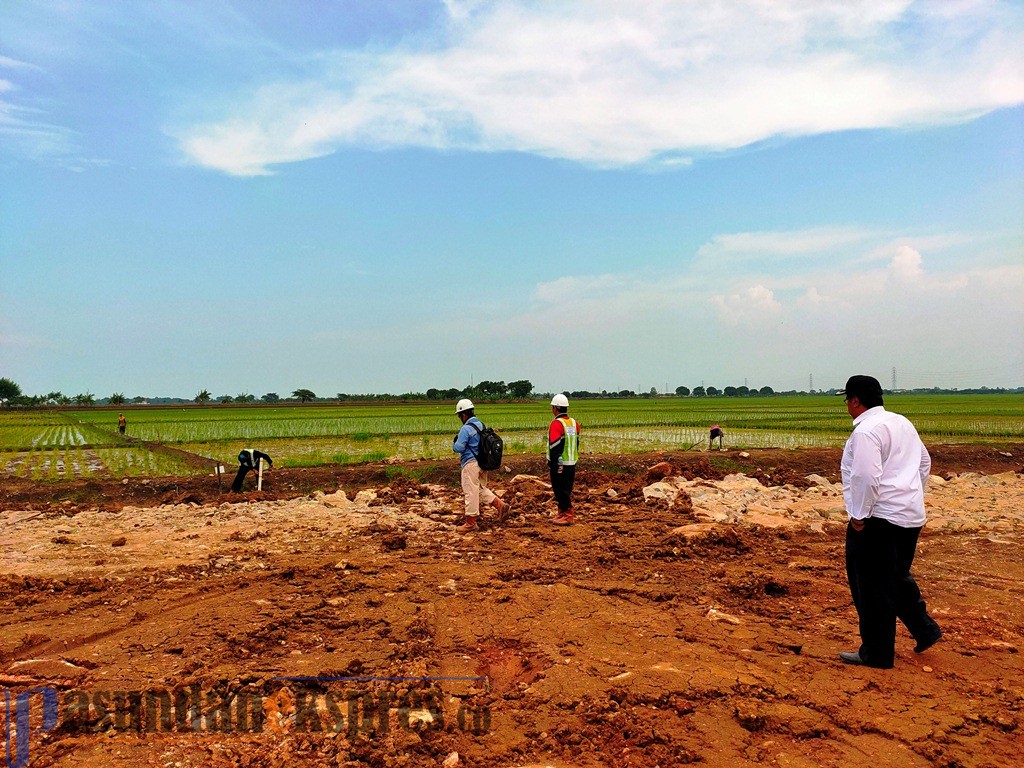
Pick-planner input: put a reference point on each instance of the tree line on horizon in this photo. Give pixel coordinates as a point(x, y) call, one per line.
point(485, 391)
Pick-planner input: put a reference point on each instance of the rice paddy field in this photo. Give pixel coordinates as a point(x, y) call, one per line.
point(69, 443)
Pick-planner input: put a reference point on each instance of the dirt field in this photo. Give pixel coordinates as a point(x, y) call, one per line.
point(692, 615)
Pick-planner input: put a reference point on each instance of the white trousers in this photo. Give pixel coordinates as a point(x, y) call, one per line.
point(474, 485)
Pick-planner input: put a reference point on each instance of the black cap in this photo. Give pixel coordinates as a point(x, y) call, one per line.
point(861, 387)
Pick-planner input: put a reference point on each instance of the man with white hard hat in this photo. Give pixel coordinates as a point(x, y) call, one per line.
point(474, 479)
point(562, 453)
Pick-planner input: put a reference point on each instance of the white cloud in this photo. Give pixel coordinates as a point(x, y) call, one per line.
point(751, 306)
point(596, 287)
point(812, 297)
point(852, 310)
point(610, 83)
point(906, 265)
point(8, 63)
point(27, 133)
point(785, 244)
point(460, 10)
point(25, 129)
point(857, 277)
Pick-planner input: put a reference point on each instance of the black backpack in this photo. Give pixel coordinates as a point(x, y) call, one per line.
point(488, 454)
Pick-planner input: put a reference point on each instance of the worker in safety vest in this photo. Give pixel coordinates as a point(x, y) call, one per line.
point(563, 452)
point(247, 461)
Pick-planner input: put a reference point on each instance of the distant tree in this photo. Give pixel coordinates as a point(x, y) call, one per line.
point(451, 394)
point(245, 397)
point(626, 393)
point(653, 392)
point(343, 396)
point(86, 398)
point(65, 400)
point(742, 391)
point(271, 397)
point(8, 391)
point(225, 399)
point(683, 391)
point(138, 399)
point(492, 388)
point(713, 392)
point(766, 391)
point(520, 389)
point(433, 394)
point(203, 397)
point(53, 398)
point(304, 395)
point(699, 392)
point(118, 398)
point(731, 392)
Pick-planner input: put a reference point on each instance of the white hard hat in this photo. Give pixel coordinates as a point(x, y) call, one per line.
point(560, 401)
point(465, 404)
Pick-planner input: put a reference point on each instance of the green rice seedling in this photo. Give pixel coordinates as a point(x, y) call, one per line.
point(35, 442)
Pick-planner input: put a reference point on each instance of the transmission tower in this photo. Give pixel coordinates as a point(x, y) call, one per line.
point(810, 382)
point(894, 378)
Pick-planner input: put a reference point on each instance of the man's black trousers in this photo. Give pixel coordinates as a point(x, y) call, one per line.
point(878, 561)
point(562, 478)
point(243, 470)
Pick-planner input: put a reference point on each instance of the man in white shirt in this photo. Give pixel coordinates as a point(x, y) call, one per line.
point(885, 468)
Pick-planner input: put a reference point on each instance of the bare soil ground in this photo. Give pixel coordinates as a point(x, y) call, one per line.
point(654, 632)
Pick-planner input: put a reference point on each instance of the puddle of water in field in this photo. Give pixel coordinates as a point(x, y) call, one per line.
point(14, 465)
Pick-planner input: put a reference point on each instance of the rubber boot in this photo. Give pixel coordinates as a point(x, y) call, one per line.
point(564, 518)
point(469, 524)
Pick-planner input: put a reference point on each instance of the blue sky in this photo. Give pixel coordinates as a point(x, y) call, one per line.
point(388, 196)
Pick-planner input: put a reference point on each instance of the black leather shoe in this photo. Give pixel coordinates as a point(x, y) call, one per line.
point(853, 657)
point(924, 645)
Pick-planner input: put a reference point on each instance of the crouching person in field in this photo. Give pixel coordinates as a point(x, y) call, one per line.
point(474, 480)
point(247, 461)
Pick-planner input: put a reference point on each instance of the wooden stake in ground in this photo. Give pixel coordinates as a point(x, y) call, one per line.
point(259, 480)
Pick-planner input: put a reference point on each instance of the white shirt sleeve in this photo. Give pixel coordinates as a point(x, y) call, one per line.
point(926, 467)
point(860, 490)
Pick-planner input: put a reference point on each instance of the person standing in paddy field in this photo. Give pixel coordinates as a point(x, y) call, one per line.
point(885, 469)
point(562, 453)
point(122, 423)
